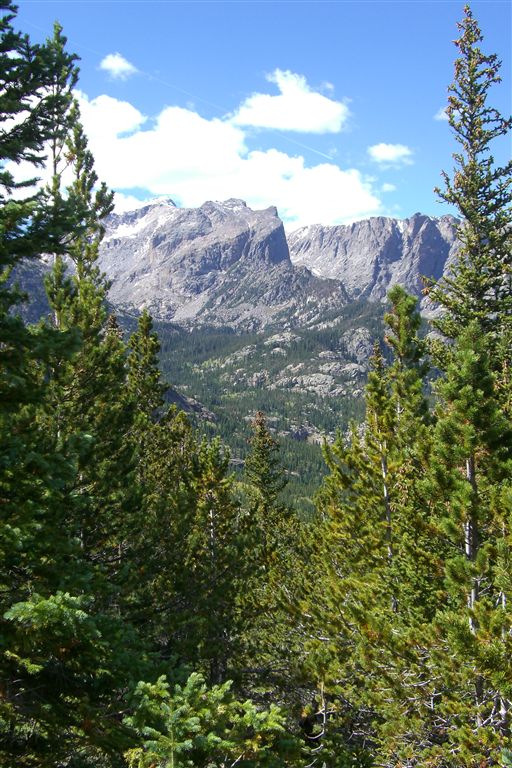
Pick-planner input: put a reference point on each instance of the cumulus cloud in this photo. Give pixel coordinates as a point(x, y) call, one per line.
point(441, 114)
point(193, 159)
point(117, 66)
point(125, 203)
point(107, 115)
point(295, 108)
point(390, 154)
point(388, 187)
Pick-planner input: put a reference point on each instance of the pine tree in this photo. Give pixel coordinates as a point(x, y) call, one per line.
point(459, 665)
point(144, 378)
point(62, 658)
point(208, 574)
point(274, 563)
point(375, 579)
point(471, 458)
point(87, 403)
point(471, 465)
point(33, 548)
point(263, 472)
point(479, 289)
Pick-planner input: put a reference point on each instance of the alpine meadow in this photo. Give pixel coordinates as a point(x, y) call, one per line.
point(159, 609)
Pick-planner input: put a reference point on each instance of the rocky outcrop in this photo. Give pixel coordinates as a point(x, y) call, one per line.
point(370, 256)
point(224, 264)
point(220, 264)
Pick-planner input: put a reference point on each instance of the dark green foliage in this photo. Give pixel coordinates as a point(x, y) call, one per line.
point(409, 619)
point(204, 365)
point(471, 464)
point(122, 543)
point(139, 576)
point(200, 727)
point(274, 560)
point(144, 378)
point(263, 473)
point(479, 289)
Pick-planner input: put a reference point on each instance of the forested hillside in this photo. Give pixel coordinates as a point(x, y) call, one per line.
point(158, 612)
point(309, 383)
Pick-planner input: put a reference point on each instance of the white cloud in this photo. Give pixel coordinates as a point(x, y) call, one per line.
point(296, 108)
point(441, 114)
point(105, 115)
point(117, 66)
point(391, 154)
point(124, 202)
point(388, 188)
point(192, 159)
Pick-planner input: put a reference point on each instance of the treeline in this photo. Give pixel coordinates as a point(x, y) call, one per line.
point(154, 612)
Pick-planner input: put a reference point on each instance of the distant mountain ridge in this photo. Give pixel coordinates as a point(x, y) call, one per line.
point(223, 264)
point(370, 256)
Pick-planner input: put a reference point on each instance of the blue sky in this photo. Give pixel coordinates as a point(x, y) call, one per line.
point(328, 110)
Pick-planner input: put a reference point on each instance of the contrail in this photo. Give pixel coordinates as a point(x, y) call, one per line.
point(223, 111)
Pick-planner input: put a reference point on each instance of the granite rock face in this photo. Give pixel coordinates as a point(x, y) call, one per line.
point(370, 256)
point(220, 264)
point(224, 264)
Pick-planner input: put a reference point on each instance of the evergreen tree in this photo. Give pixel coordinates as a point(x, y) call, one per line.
point(213, 565)
point(374, 584)
point(87, 403)
point(471, 458)
point(274, 563)
point(32, 547)
point(263, 472)
point(62, 659)
point(479, 289)
point(198, 727)
point(144, 379)
point(471, 466)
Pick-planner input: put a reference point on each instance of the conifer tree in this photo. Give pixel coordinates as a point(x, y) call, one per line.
point(208, 572)
point(88, 405)
point(470, 480)
point(374, 585)
point(262, 467)
point(274, 558)
point(61, 662)
point(194, 726)
point(471, 456)
point(144, 378)
point(479, 289)
point(31, 475)
point(462, 713)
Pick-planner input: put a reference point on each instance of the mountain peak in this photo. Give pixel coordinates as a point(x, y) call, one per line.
point(370, 256)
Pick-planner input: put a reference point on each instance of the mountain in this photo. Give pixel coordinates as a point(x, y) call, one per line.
point(251, 319)
point(225, 265)
point(222, 264)
point(370, 256)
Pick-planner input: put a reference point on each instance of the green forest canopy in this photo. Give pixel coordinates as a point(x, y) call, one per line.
point(152, 613)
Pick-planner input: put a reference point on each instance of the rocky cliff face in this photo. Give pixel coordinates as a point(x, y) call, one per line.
point(220, 264)
point(370, 256)
point(224, 264)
